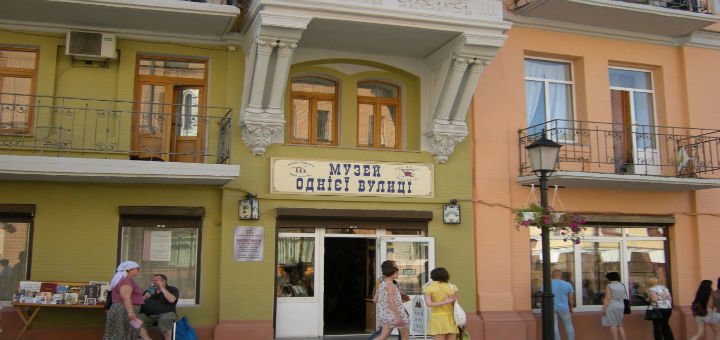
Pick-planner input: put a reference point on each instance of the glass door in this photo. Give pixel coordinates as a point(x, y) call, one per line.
point(151, 122)
point(415, 257)
point(188, 125)
point(298, 294)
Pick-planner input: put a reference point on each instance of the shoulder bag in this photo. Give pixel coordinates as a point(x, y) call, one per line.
point(698, 309)
point(626, 301)
point(458, 312)
point(653, 314)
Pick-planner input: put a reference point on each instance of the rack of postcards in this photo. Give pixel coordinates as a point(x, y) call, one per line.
point(61, 292)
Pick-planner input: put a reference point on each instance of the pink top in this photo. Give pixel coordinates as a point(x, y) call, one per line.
point(136, 296)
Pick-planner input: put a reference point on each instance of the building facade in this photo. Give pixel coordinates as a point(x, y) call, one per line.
point(266, 155)
point(625, 88)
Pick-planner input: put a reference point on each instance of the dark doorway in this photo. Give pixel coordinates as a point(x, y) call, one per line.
point(346, 284)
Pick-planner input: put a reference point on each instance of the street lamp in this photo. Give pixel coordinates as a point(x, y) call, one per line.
point(543, 154)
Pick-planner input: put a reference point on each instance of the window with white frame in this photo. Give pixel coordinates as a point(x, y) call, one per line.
point(549, 97)
point(636, 252)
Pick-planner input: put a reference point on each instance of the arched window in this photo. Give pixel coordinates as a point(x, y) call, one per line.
point(314, 111)
point(379, 115)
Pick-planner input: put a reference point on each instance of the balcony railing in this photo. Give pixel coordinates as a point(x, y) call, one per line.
point(615, 148)
point(698, 6)
point(215, 2)
point(113, 129)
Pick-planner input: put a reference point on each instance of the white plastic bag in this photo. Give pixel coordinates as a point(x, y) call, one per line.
point(458, 312)
point(459, 315)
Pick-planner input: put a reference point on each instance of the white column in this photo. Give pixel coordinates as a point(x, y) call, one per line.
point(282, 67)
point(264, 50)
point(463, 105)
point(449, 91)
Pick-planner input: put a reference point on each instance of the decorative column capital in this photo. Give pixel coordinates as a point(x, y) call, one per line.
point(259, 135)
point(460, 64)
point(285, 48)
point(443, 144)
point(265, 46)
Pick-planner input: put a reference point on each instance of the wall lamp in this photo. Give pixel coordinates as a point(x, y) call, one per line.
point(249, 208)
point(451, 212)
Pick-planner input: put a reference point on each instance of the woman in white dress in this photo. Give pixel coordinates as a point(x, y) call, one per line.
point(613, 306)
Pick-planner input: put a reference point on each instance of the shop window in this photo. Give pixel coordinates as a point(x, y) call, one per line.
point(379, 115)
point(314, 111)
point(16, 222)
point(18, 73)
point(164, 244)
point(549, 97)
point(295, 273)
point(636, 252)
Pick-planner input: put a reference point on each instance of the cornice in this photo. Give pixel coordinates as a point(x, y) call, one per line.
point(564, 27)
point(704, 39)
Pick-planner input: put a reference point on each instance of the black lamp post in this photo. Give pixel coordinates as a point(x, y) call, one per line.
point(543, 154)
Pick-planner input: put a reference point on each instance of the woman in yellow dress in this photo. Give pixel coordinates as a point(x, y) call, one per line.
point(439, 296)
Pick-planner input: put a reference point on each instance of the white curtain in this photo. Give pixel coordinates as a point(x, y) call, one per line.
point(559, 101)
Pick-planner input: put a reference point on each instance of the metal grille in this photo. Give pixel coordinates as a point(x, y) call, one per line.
point(87, 43)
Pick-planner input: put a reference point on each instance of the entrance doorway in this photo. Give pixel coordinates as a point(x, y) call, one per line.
point(349, 276)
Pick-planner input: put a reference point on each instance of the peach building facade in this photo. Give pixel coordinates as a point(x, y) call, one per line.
point(635, 117)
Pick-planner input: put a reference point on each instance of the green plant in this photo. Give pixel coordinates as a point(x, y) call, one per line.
point(569, 226)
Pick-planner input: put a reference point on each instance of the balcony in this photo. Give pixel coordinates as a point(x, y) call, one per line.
point(636, 157)
point(79, 139)
point(667, 18)
point(201, 20)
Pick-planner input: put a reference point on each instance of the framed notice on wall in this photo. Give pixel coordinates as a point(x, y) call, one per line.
point(248, 244)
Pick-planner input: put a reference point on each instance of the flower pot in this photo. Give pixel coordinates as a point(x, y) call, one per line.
point(557, 217)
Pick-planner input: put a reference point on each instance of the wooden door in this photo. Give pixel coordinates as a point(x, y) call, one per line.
point(622, 130)
point(152, 122)
point(188, 124)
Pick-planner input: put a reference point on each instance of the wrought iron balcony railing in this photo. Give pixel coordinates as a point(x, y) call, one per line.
point(114, 129)
point(698, 6)
point(616, 148)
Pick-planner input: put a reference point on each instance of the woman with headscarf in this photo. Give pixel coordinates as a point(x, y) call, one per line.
point(122, 322)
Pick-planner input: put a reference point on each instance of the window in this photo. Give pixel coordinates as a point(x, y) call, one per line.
point(549, 97)
point(17, 86)
point(314, 111)
point(16, 222)
point(166, 243)
point(633, 251)
point(379, 115)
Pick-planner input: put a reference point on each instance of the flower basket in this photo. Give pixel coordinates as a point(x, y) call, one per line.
point(569, 226)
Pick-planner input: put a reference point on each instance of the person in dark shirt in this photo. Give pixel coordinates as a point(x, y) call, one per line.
point(159, 306)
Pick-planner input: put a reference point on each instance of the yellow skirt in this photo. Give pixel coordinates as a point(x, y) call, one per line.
point(442, 323)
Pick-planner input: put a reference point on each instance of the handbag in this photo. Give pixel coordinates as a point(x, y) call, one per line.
point(626, 302)
point(458, 312)
point(653, 314)
point(183, 331)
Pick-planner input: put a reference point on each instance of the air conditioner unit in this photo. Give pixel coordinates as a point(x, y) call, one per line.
point(90, 45)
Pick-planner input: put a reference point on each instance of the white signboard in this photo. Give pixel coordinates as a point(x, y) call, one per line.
point(418, 318)
point(160, 245)
point(352, 178)
point(248, 244)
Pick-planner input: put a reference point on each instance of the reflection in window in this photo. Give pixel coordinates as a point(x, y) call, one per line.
point(295, 272)
point(412, 260)
point(313, 112)
point(13, 260)
point(171, 68)
point(378, 115)
point(635, 253)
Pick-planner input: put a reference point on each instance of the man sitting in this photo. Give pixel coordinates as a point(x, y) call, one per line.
point(159, 306)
